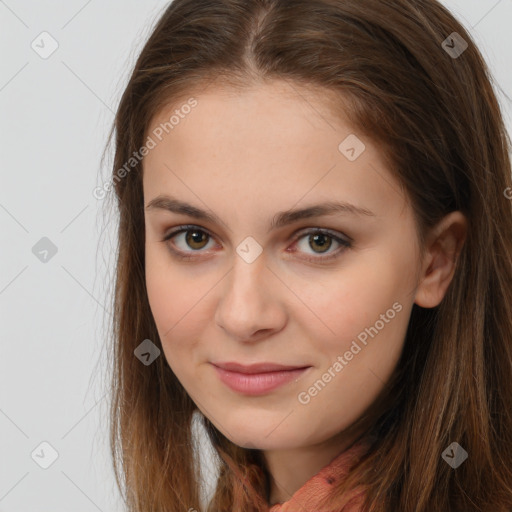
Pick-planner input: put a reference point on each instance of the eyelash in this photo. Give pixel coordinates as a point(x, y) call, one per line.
point(345, 243)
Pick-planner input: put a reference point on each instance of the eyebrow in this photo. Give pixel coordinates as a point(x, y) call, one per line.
point(164, 202)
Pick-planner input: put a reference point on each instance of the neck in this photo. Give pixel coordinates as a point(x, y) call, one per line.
point(290, 469)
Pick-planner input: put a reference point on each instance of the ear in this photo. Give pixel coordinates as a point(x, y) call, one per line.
point(442, 248)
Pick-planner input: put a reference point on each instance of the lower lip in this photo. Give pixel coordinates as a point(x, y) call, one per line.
point(257, 383)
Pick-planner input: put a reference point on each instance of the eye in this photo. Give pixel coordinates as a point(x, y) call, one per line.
point(196, 239)
point(321, 240)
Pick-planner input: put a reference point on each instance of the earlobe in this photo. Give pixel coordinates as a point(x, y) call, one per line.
point(443, 247)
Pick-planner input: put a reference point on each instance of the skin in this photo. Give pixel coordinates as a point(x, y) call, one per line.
point(283, 308)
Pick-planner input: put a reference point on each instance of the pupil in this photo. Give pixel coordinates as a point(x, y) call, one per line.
point(195, 237)
point(320, 239)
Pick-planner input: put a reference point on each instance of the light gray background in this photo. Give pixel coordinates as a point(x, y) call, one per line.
point(55, 115)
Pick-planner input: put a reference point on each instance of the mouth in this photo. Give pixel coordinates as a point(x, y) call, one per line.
point(259, 378)
point(257, 367)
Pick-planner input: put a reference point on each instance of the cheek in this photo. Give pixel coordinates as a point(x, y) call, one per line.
point(178, 299)
point(350, 302)
point(363, 317)
point(162, 289)
point(165, 289)
point(368, 315)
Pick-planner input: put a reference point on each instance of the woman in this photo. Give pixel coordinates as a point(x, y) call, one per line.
point(251, 137)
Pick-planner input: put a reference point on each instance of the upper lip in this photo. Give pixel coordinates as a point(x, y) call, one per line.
point(256, 367)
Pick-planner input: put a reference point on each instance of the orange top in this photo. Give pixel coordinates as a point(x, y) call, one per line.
point(306, 498)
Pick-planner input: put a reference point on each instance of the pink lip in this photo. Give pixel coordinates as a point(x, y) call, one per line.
point(258, 378)
point(255, 367)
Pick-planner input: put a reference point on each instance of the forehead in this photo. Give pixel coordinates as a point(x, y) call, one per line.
point(266, 113)
point(277, 139)
point(321, 100)
point(256, 126)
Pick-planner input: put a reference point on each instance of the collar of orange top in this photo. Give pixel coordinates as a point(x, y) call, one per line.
point(320, 485)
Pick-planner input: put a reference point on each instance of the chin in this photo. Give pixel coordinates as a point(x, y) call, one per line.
point(263, 436)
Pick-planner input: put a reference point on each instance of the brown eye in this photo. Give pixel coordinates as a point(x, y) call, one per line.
point(320, 240)
point(187, 240)
point(195, 238)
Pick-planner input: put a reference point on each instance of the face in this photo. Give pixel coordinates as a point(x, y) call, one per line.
point(329, 291)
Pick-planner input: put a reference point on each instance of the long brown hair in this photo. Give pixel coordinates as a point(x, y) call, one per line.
point(437, 119)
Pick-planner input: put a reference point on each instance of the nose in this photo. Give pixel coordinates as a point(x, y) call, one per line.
point(251, 305)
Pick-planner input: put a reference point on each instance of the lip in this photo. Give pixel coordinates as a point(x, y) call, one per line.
point(256, 367)
point(257, 379)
